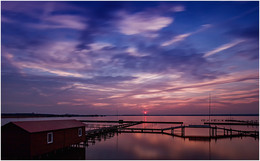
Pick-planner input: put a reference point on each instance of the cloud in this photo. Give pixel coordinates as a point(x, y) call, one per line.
point(182, 37)
point(99, 45)
point(40, 15)
point(178, 8)
point(160, 60)
point(142, 22)
point(100, 104)
point(61, 21)
point(115, 57)
point(133, 52)
point(53, 58)
point(234, 88)
point(6, 20)
point(176, 39)
point(234, 77)
point(223, 47)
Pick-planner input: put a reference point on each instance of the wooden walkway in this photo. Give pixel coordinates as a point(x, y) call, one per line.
point(232, 123)
point(215, 132)
point(121, 121)
point(94, 132)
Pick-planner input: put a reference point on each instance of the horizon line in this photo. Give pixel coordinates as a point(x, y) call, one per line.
point(239, 114)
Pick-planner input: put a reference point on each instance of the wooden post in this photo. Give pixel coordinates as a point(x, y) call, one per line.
point(183, 131)
point(212, 131)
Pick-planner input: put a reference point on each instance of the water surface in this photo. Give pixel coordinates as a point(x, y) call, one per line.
point(159, 146)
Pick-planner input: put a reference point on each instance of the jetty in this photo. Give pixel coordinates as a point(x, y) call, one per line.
point(179, 130)
point(122, 121)
point(231, 122)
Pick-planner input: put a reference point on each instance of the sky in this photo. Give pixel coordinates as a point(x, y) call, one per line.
point(130, 57)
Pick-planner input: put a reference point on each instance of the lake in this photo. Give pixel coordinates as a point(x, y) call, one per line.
point(129, 146)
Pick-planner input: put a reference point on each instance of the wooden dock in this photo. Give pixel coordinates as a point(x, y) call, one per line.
point(94, 132)
point(215, 132)
point(232, 123)
point(121, 121)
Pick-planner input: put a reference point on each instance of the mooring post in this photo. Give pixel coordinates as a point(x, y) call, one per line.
point(183, 131)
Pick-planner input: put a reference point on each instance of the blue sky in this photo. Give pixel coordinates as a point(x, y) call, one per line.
point(103, 57)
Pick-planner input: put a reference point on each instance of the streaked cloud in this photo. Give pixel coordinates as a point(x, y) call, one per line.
point(182, 37)
point(176, 39)
point(223, 47)
point(100, 104)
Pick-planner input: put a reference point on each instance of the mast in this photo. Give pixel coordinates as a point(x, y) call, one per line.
point(209, 125)
point(209, 106)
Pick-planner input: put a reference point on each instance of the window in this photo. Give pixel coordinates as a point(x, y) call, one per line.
point(49, 137)
point(80, 131)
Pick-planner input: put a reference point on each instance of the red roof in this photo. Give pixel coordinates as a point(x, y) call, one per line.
point(49, 125)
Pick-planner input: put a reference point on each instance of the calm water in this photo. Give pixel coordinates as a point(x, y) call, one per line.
point(159, 146)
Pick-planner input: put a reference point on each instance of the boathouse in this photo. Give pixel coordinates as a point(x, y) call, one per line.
point(27, 139)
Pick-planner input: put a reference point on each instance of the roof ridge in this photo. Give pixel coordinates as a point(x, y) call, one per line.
point(48, 125)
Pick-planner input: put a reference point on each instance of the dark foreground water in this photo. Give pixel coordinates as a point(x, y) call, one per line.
point(159, 146)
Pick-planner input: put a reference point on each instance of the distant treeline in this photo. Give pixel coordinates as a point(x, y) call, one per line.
point(15, 115)
point(189, 115)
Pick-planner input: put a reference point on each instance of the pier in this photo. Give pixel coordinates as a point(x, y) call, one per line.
point(94, 132)
point(215, 132)
point(121, 121)
point(231, 122)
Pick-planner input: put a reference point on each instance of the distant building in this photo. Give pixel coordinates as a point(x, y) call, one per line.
point(27, 139)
